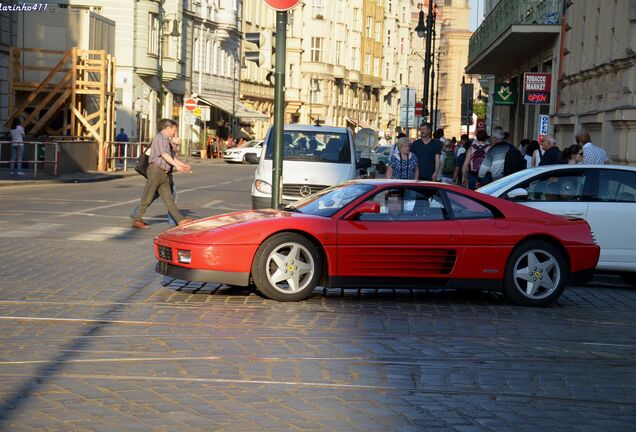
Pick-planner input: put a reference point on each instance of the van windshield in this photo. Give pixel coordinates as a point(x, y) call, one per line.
point(313, 146)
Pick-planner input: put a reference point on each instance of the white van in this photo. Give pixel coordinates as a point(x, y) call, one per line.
point(314, 158)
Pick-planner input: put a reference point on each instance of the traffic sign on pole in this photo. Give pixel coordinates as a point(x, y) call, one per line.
point(190, 104)
point(419, 107)
point(281, 5)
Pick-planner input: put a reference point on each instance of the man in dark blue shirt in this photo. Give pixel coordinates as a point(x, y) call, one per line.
point(552, 155)
point(428, 152)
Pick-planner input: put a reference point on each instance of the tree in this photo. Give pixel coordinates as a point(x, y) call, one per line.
point(479, 109)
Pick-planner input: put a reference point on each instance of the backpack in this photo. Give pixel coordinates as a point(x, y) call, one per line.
point(479, 153)
point(514, 161)
point(449, 163)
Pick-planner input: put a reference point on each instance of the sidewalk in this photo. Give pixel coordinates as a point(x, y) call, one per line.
point(7, 179)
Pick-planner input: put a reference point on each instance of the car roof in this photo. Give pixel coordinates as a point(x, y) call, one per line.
point(547, 168)
point(312, 128)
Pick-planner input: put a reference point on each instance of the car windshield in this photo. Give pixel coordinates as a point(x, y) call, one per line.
point(381, 149)
point(505, 182)
point(249, 144)
point(330, 200)
point(313, 146)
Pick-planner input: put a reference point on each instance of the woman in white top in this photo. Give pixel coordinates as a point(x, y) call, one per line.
point(17, 146)
point(531, 148)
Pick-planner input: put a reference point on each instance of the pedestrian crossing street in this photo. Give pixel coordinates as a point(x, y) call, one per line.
point(69, 231)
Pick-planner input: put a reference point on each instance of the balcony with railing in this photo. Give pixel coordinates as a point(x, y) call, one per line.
point(514, 25)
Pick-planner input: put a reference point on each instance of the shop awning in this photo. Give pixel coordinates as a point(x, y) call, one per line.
point(512, 48)
point(227, 105)
point(357, 122)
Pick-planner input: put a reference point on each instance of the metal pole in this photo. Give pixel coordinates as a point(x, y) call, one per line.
point(408, 123)
point(160, 68)
point(427, 59)
point(234, 102)
point(279, 107)
point(432, 54)
point(437, 91)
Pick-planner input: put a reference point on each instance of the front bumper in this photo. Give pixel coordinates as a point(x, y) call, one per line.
point(196, 275)
point(233, 158)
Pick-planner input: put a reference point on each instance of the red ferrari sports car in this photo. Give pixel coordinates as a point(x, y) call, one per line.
point(386, 233)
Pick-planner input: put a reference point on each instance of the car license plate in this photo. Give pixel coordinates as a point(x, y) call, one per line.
point(162, 267)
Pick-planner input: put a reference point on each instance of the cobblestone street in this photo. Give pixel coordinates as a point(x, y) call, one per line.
point(92, 339)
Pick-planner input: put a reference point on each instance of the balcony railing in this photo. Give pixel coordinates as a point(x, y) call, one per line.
point(511, 12)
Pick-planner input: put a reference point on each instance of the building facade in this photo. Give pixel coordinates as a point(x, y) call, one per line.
point(598, 77)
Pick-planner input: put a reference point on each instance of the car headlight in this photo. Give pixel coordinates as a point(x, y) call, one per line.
point(184, 256)
point(263, 187)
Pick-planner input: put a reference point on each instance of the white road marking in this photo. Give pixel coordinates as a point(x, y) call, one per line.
point(212, 203)
point(101, 234)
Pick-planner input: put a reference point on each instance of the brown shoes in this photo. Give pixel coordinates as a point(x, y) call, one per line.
point(140, 225)
point(185, 221)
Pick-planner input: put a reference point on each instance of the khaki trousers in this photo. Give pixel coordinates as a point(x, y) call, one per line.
point(158, 181)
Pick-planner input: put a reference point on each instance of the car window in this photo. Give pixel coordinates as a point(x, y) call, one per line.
point(467, 208)
point(330, 200)
point(407, 204)
point(313, 146)
point(564, 186)
point(616, 186)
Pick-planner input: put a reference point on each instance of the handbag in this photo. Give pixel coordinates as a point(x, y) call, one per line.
point(142, 163)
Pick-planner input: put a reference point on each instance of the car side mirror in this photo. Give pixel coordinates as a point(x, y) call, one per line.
point(364, 163)
point(364, 208)
point(252, 158)
point(517, 194)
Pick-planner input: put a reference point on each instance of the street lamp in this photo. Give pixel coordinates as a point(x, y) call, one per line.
point(426, 30)
point(313, 87)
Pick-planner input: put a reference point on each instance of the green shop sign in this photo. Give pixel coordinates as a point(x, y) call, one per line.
point(505, 94)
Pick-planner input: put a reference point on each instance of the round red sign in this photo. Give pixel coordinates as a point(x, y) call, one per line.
point(281, 5)
point(190, 104)
point(419, 107)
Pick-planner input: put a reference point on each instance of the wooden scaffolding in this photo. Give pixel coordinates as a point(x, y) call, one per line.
point(69, 94)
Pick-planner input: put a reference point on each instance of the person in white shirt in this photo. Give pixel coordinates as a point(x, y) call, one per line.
point(17, 146)
point(591, 154)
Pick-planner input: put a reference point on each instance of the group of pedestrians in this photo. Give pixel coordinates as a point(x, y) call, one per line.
point(485, 159)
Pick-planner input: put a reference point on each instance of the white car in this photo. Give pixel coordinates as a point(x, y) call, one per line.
point(603, 195)
point(237, 154)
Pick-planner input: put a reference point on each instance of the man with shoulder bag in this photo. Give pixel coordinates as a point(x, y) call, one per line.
point(162, 161)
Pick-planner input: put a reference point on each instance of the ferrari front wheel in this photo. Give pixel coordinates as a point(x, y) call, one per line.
point(287, 267)
point(536, 274)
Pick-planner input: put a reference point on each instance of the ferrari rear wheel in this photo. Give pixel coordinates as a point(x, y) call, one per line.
point(536, 274)
point(287, 267)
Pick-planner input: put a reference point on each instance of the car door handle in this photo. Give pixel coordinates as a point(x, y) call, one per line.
point(573, 213)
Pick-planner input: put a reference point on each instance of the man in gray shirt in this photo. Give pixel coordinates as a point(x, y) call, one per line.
point(162, 161)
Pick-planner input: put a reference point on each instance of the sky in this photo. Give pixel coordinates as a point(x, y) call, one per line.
point(476, 13)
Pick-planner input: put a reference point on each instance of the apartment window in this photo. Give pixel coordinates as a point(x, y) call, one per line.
point(404, 14)
point(222, 64)
point(338, 49)
point(355, 58)
point(367, 63)
point(376, 67)
point(388, 37)
point(208, 56)
point(153, 35)
point(217, 59)
point(386, 70)
point(354, 19)
point(369, 27)
point(401, 45)
point(314, 89)
point(316, 49)
point(318, 9)
point(197, 54)
point(339, 10)
point(378, 33)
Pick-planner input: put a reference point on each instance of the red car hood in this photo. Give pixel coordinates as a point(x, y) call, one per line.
point(189, 232)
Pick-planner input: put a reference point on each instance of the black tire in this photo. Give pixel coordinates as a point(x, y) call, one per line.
point(541, 267)
point(244, 160)
point(629, 278)
point(298, 275)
